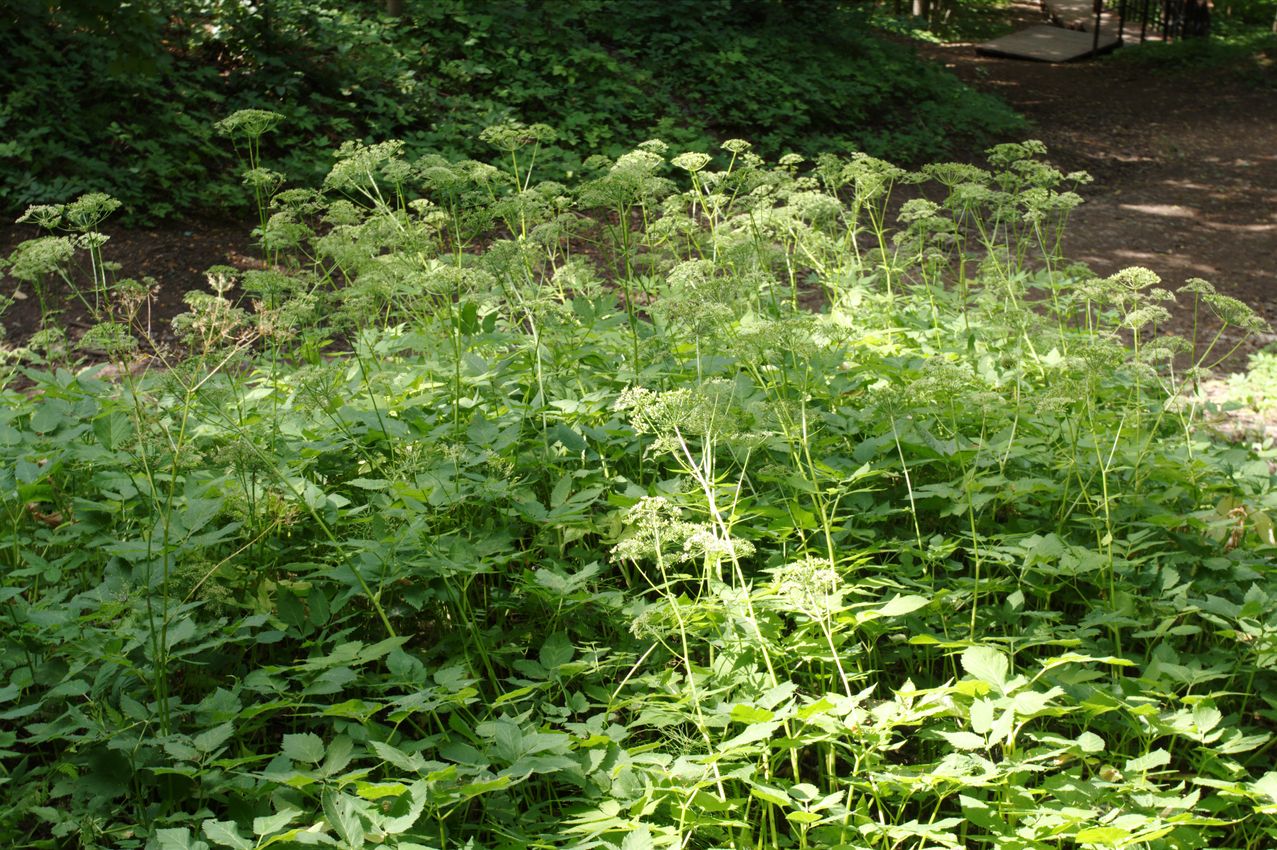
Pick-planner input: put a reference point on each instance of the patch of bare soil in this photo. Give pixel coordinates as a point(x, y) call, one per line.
point(175, 256)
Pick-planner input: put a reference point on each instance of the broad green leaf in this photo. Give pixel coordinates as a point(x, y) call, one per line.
point(768, 794)
point(207, 742)
point(980, 814)
point(982, 716)
point(753, 734)
point(306, 747)
point(556, 651)
point(898, 606)
point(342, 816)
point(474, 789)
point(398, 758)
point(561, 491)
point(49, 413)
point(177, 839)
point(802, 818)
point(224, 833)
point(1266, 785)
point(1089, 742)
point(964, 740)
point(1157, 758)
point(112, 429)
point(416, 805)
point(1106, 836)
point(639, 839)
point(274, 823)
point(338, 755)
point(986, 664)
point(807, 712)
point(751, 714)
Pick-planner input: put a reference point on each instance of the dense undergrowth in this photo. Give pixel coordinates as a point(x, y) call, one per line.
point(119, 98)
point(675, 507)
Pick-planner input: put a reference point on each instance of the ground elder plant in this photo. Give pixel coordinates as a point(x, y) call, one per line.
point(680, 506)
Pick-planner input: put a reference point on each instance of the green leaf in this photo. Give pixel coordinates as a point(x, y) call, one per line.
point(306, 747)
point(1108, 836)
point(753, 734)
point(416, 805)
point(177, 839)
point(768, 794)
point(986, 664)
point(982, 716)
point(224, 833)
point(639, 839)
point(112, 429)
point(751, 714)
point(1089, 742)
point(561, 491)
point(275, 822)
point(898, 606)
point(49, 414)
point(964, 740)
point(1157, 758)
point(342, 816)
point(207, 742)
point(338, 755)
point(556, 651)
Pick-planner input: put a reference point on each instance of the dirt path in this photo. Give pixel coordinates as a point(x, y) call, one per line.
point(1185, 165)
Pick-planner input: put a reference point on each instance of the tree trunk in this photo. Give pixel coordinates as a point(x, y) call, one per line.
point(394, 8)
point(1196, 18)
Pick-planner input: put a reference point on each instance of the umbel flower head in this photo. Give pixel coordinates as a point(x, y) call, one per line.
point(810, 585)
point(710, 410)
point(36, 259)
point(250, 123)
point(656, 530)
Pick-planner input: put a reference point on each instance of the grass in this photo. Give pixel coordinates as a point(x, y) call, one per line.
point(506, 513)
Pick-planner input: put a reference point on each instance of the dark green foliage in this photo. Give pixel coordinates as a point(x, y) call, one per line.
point(95, 96)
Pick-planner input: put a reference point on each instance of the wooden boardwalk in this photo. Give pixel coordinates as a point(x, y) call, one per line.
point(1047, 43)
point(1068, 38)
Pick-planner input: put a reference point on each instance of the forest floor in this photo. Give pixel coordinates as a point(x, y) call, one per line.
point(1185, 167)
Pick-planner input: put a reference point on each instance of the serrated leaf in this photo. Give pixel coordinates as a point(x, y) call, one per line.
point(225, 833)
point(986, 664)
point(274, 823)
point(556, 651)
point(177, 839)
point(1089, 742)
point(306, 747)
point(338, 755)
point(639, 839)
point(751, 714)
point(340, 812)
point(207, 742)
point(964, 740)
point(416, 805)
point(397, 757)
point(1157, 758)
point(981, 716)
point(1109, 836)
